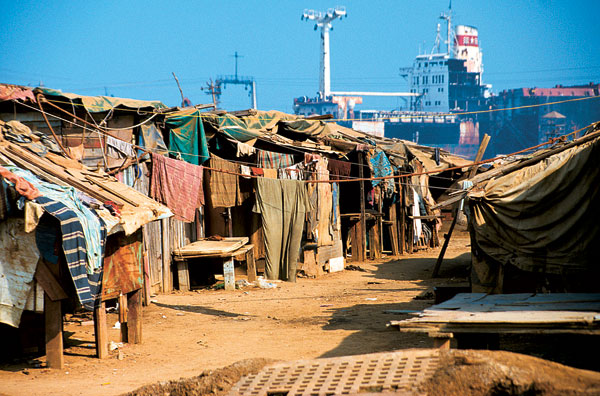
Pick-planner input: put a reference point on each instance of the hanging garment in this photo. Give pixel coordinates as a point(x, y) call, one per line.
point(118, 148)
point(270, 173)
point(339, 169)
point(416, 212)
point(90, 223)
point(178, 185)
point(292, 172)
point(244, 150)
point(282, 205)
point(75, 249)
point(257, 171)
point(271, 160)
point(224, 187)
point(23, 187)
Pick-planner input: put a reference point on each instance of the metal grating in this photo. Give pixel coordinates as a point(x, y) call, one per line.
point(373, 373)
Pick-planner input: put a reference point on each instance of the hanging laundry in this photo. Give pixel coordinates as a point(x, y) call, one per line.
point(244, 150)
point(339, 169)
point(380, 166)
point(178, 185)
point(118, 148)
point(270, 173)
point(75, 248)
point(271, 160)
point(282, 205)
point(90, 223)
point(257, 171)
point(416, 212)
point(224, 187)
point(245, 170)
point(294, 172)
point(22, 186)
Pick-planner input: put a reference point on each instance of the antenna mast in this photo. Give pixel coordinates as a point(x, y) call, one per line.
point(323, 20)
point(448, 18)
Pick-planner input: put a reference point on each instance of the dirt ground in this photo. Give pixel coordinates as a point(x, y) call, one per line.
point(185, 334)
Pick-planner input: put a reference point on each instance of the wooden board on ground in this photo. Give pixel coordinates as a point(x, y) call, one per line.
point(509, 313)
point(211, 247)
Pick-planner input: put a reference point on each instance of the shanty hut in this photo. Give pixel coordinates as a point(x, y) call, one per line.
point(534, 221)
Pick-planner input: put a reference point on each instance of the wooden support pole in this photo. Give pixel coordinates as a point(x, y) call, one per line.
point(229, 273)
point(53, 318)
point(183, 275)
point(134, 317)
point(401, 220)
point(250, 265)
point(166, 256)
point(54, 334)
point(447, 236)
point(100, 330)
point(363, 227)
point(123, 317)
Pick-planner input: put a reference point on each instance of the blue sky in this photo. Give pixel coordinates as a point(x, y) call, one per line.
point(130, 48)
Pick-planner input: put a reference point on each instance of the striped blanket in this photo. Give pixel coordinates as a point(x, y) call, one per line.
point(88, 286)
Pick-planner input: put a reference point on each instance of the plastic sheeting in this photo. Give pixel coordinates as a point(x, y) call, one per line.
point(186, 136)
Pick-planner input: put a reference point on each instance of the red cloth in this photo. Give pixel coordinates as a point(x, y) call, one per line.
point(177, 184)
point(22, 186)
point(258, 171)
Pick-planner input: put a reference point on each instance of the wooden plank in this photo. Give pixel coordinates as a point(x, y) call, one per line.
point(50, 284)
point(134, 317)
point(107, 187)
point(229, 274)
point(479, 156)
point(250, 264)
point(206, 247)
point(123, 317)
point(438, 263)
point(183, 275)
point(101, 331)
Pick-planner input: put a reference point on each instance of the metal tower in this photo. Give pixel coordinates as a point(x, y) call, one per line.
point(323, 20)
point(221, 82)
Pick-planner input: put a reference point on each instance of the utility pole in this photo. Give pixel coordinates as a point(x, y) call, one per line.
point(323, 20)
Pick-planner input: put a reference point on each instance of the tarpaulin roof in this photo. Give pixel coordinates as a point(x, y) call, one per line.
point(539, 218)
point(98, 104)
point(427, 156)
point(14, 92)
point(247, 127)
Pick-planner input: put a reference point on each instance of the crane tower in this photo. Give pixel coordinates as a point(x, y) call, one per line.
point(323, 20)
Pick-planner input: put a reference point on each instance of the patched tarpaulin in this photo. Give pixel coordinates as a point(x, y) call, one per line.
point(186, 136)
point(246, 127)
point(98, 104)
point(122, 265)
point(542, 218)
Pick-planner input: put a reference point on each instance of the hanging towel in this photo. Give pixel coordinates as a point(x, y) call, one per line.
point(224, 187)
point(339, 169)
point(244, 150)
point(282, 205)
point(270, 173)
point(271, 160)
point(178, 185)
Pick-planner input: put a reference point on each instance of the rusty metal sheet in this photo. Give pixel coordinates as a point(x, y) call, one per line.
point(123, 265)
point(380, 373)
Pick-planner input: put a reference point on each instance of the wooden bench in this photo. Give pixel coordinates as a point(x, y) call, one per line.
point(244, 253)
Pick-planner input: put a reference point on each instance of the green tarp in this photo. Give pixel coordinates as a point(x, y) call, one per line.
point(186, 136)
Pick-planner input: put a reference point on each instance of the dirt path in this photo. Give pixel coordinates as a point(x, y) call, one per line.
point(186, 333)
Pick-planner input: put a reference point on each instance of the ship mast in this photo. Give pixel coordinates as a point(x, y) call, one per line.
point(448, 18)
point(323, 20)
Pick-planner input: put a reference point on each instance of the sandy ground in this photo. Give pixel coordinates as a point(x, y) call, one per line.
point(186, 333)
